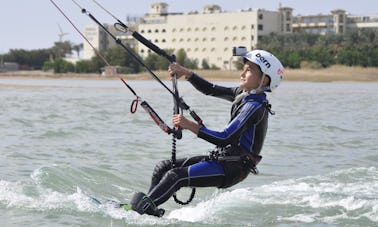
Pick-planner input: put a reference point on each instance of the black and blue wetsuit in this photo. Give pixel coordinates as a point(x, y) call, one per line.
point(237, 147)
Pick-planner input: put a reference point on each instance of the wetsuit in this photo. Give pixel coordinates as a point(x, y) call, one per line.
point(236, 153)
point(237, 146)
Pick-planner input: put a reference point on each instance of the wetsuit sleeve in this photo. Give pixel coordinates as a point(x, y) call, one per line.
point(208, 88)
point(246, 117)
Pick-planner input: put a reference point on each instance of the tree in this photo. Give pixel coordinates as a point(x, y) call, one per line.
point(181, 56)
point(117, 56)
point(156, 62)
point(59, 66)
point(356, 47)
point(77, 48)
point(205, 64)
point(61, 49)
point(33, 59)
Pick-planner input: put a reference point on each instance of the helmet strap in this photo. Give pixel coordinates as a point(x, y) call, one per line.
point(260, 88)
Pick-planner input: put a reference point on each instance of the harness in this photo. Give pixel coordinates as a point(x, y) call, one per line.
point(234, 152)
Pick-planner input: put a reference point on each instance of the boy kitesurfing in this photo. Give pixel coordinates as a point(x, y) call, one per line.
point(238, 146)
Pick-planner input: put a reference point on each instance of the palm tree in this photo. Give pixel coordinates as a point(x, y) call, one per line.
point(77, 48)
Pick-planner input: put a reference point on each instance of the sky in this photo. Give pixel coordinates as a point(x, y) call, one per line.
point(34, 24)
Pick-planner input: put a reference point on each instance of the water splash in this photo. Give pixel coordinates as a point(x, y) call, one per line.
point(333, 198)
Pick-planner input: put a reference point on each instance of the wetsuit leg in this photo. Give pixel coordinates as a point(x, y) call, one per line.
point(164, 166)
point(194, 172)
point(160, 169)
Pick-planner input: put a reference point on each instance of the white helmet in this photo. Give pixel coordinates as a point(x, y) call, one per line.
point(269, 65)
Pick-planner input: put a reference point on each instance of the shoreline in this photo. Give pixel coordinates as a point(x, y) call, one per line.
point(331, 74)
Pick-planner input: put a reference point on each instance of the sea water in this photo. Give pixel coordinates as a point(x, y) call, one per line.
point(62, 141)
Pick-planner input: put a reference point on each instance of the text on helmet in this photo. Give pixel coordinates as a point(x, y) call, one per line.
point(263, 60)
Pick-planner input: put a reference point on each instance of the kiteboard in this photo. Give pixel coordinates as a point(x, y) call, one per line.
point(115, 204)
point(124, 206)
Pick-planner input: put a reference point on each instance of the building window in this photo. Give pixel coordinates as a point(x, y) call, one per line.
point(204, 49)
point(163, 40)
point(156, 30)
point(156, 40)
point(196, 29)
point(261, 16)
point(288, 16)
point(252, 26)
point(243, 27)
point(235, 38)
point(204, 40)
point(324, 19)
point(243, 38)
point(188, 50)
point(212, 49)
point(213, 39)
point(235, 28)
point(204, 29)
point(252, 37)
point(226, 28)
point(225, 38)
point(341, 18)
point(173, 40)
point(226, 49)
point(174, 30)
point(189, 29)
point(181, 29)
point(213, 29)
point(142, 31)
point(149, 31)
point(163, 30)
point(288, 28)
point(260, 27)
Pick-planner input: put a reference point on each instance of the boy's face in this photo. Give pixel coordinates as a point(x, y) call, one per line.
point(250, 76)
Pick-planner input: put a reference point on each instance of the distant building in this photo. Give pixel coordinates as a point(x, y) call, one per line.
point(210, 35)
point(321, 24)
point(101, 40)
point(362, 21)
point(338, 22)
point(8, 66)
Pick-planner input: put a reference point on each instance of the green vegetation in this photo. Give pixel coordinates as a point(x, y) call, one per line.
point(299, 50)
point(355, 48)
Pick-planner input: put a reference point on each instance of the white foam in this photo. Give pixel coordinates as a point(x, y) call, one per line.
point(305, 218)
point(348, 194)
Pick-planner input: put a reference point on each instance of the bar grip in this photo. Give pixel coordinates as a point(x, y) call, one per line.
point(152, 46)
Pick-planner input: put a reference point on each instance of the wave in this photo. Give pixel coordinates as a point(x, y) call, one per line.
point(342, 197)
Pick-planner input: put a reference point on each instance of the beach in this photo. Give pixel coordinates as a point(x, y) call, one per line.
point(331, 74)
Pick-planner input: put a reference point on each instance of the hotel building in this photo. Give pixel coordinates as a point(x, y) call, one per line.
point(210, 34)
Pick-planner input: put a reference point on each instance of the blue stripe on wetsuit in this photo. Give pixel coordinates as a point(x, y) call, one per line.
point(205, 169)
point(225, 137)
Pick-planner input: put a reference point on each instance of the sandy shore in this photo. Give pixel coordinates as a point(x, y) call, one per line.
point(334, 73)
